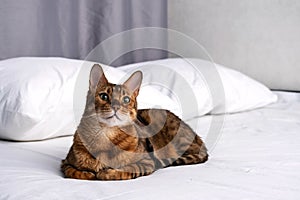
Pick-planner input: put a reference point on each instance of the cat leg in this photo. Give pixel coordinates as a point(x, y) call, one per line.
point(192, 157)
point(131, 171)
point(80, 164)
point(72, 172)
point(189, 160)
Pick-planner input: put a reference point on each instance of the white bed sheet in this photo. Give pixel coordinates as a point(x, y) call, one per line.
point(257, 156)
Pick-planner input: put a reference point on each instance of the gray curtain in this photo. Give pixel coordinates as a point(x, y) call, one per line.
point(72, 28)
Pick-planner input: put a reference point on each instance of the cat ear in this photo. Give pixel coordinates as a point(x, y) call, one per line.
point(97, 77)
point(134, 82)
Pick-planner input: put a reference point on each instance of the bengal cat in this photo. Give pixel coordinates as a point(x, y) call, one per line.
point(115, 141)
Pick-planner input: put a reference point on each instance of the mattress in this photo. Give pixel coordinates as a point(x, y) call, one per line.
point(255, 155)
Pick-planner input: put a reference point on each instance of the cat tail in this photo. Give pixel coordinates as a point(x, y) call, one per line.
point(71, 172)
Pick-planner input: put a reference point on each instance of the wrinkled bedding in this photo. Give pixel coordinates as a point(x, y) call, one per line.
point(255, 155)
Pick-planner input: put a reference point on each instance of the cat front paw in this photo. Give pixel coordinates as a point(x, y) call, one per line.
point(88, 175)
point(114, 174)
point(107, 174)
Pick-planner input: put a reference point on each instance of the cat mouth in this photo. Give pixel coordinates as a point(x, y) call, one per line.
point(114, 115)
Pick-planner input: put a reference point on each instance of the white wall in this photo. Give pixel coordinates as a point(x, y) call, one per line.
point(260, 38)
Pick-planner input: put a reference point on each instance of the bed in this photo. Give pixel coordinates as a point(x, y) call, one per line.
point(253, 142)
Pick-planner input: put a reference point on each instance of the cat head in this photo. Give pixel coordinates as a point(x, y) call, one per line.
point(115, 105)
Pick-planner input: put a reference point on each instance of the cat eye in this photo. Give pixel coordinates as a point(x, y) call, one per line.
point(126, 99)
point(103, 96)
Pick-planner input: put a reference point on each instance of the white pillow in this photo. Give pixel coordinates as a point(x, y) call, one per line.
point(36, 96)
point(201, 87)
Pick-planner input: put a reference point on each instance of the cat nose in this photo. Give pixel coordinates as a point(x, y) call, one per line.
point(115, 106)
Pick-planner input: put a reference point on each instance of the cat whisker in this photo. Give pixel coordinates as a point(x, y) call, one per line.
point(89, 116)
